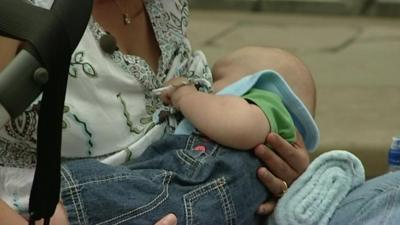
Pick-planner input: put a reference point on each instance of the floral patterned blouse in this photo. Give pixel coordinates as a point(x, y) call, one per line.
point(110, 112)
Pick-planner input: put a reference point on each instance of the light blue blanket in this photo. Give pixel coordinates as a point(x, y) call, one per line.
point(272, 81)
point(314, 196)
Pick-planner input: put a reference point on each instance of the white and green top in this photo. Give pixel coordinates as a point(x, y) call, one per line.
point(109, 110)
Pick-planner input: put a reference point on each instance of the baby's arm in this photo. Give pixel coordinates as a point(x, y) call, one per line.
point(228, 120)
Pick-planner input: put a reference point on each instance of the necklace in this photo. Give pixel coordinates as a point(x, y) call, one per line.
point(126, 17)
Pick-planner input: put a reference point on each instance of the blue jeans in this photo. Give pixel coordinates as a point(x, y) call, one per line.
point(196, 179)
point(377, 202)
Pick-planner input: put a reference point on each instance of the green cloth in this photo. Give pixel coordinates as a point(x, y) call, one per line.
point(278, 116)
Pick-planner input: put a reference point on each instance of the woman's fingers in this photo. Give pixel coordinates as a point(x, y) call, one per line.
point(267, 207)
point(169, 219)
point(295, 155)
point(283, 165)
point(276, 165)
point(274, 184)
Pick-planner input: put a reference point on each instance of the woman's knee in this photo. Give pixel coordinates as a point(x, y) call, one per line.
point(248, 60)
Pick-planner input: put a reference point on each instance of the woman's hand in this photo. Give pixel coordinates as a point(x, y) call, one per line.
point(169, 219)
point(283, 164)
point(10, 217)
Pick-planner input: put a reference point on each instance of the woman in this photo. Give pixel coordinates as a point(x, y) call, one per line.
point(109, 111)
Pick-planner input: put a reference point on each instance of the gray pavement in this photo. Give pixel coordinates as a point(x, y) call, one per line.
point(315, 6)
point(355, 62)
point(345, 7)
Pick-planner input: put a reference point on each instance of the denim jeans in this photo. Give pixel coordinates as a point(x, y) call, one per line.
point(198, 180)
point(377, 202)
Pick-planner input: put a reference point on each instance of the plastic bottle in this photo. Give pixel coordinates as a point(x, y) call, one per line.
point(394, 155)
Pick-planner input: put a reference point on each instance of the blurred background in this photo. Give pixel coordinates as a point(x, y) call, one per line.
point(351, 46)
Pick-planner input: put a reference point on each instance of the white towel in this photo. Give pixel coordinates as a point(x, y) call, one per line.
point(314, 196)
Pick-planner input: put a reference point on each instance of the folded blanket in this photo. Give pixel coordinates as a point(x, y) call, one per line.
point(272, 81)
point(314, 196)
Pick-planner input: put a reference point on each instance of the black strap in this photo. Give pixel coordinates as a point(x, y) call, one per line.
point(51, 36)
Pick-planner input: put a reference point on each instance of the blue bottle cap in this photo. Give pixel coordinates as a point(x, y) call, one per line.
point(394, 152)
point(395, 143)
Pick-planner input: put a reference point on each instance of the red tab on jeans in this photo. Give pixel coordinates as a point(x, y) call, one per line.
point(200, 148)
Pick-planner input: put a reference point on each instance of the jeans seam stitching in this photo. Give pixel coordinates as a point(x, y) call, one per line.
point(216, 185)
point(229, 211)
point(166, 181)
point(190, 142)
point(102, 180)
point(76, 201)
point(185, 158)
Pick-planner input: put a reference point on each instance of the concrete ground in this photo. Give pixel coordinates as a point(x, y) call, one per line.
point(355, 62)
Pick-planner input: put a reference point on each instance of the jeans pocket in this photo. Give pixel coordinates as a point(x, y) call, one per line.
point(210, 204)
point(115, 198)
point(198, 150)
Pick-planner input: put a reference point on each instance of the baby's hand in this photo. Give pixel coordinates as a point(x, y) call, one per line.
point(174, 90)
